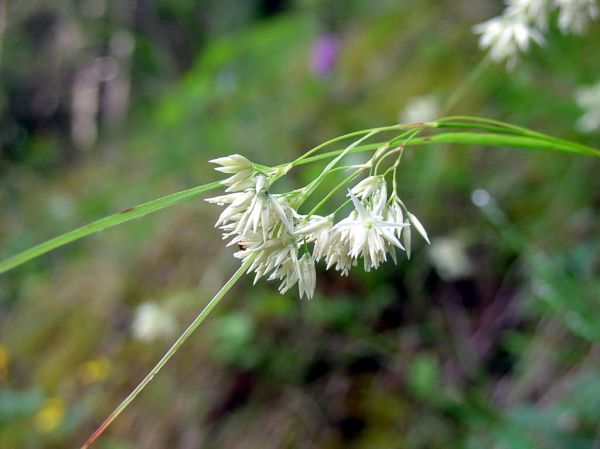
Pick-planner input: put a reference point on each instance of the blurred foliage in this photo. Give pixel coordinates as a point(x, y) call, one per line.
point(505, 356)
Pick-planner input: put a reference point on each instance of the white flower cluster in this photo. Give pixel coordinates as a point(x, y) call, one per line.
point(524, 21)
point(275, 239)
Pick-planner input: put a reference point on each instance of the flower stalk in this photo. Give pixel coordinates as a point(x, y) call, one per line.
point(165, 358)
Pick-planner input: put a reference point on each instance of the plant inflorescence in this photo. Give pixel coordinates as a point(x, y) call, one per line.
point(284, 244)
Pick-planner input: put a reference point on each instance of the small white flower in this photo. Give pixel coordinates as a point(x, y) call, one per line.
point(252, 210)
point(368, 187)
point(238, 203)
point(317, 231)
point(337, 250)
point(241, 169)
point(412, 221)
point(247, 210)
point(406, 239)
point(418, 226)
point(369, 235)
point(394, 214)
point(284, 212)
point(267, 255)
point(506, 36)
point(575, 15)
point(314, 225)
point(232, 164)
point(533, 11)
point(288, 272)
point(373, 190)
point(291, 270)
point(308, 276)
point(257, 212)
point(152, 322)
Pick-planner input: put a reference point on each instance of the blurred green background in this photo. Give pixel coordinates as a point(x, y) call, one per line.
point(486, 339)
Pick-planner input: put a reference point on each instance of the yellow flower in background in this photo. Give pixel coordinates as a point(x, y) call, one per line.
point(4, 363)
point(94, 371)
point(51, 415)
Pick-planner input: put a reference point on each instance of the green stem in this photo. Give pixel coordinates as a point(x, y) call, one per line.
point(348, 136)
point(341, 206)
point(483, 139)
point(172, 350)
point(400, 148)
point(459, 93)
point(458, 125)
point(315, 183)
point(513, 129)
point(104, 223)
point(335, 189)
point(512, 141)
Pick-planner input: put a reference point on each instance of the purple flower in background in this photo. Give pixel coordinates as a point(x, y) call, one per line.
point(324, 54)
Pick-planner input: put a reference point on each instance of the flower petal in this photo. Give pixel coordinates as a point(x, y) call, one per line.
point(418, 226)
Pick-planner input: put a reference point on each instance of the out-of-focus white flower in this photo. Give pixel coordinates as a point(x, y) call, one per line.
point(152, 322)
point(524, 21)
point(534, 11)
point(450, 259)
point(588, 99)
point(506, 36)
point(575, 15)
point(420, 109)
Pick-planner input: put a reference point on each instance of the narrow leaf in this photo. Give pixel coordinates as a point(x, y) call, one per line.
point(104, 223)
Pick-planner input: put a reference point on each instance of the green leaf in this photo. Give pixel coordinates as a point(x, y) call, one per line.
point(104, 223)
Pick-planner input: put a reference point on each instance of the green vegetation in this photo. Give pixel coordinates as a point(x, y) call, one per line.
point(499, 352)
